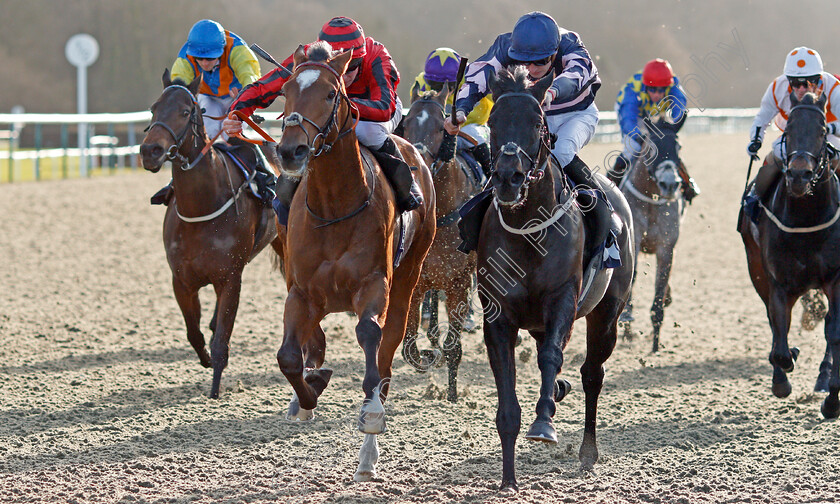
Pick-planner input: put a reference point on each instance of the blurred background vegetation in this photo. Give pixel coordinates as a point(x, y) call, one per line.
point(727, 50)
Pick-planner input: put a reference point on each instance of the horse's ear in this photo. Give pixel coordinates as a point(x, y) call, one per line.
point(167, 78)
point(196, 83)
point(493, 86)
point(538, 90)
point(452, 86)
point(822, 100)
point(414, 93)
point(300, 55)
point(340, 62)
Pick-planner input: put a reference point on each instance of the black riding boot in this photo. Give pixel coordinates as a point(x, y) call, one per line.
point(618, 170)
point(163, 196)
point(265, 177)
point(589, 203)
point(399, 175)
point(481, 152)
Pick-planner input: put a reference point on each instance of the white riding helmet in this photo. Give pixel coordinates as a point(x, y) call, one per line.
point(803, 62)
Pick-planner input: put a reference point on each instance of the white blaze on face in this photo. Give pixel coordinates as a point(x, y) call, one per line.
point(306, 78)
point(422, 117)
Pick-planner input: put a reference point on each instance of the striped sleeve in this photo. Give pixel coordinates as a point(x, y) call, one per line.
point(577, 68)
point(375, 92)
point(478, 74)
point(262, 92)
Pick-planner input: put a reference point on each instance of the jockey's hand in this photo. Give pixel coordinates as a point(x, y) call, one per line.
point(234, 92)
point(453, 128)
point(232, 125)
point(753, 147)
point(549, 97)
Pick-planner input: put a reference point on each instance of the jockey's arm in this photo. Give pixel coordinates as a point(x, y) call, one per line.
point(182, 69)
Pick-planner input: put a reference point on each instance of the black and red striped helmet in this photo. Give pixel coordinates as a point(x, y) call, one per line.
point(344, 34)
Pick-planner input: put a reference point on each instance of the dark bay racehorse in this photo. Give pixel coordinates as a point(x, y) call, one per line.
point(653, 190)
point(793, 247)
point(342, 239)
point(533, 250)
point(212, 228)
point(446, 269)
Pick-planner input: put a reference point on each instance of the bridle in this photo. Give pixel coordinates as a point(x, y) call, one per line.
point(535, 170)
point(821, 159)
point(174, 154)
point(297, 119)
point(437, 164)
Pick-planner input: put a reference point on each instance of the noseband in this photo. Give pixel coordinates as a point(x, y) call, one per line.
point(534, 172)
point(297, 119)
point(821, 158)
point(173, 153)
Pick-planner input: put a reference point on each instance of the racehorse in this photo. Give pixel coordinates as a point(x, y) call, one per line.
point(653, 190)
point(343, 237)
point(793, 246)
point(533, 252)
point(211, 229)
point(446, 268)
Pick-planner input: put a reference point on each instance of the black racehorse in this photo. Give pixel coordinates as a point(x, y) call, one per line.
point(792, 247)
point(533, 252)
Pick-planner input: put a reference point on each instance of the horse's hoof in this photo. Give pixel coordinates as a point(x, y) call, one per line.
point(318, 379)
point(297, 414)
point(830, 408)
point(205, 359)
point(364, 475)
point(822, 384)
point(508, 487)
point(794, 353)
point(588, 455)
point(543, 432)
point(626, 316)
point(561, 389)
point(782, 389)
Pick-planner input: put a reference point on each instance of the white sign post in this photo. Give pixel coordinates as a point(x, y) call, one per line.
point(81, 51)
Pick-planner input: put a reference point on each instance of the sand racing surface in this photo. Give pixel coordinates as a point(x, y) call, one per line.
point(103, 399)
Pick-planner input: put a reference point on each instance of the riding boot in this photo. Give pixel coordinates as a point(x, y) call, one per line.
point(163, 196)
point(265, 178)
point(399, 175)
point(589, 200)
point(689, 186)
point(767, 176)
point(618, 170)
point(481, 152)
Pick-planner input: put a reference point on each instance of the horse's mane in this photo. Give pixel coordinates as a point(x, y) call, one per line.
point(809, 99)
point(428, 94)
point(320, 51)
point(513, 80)
point(178, 82)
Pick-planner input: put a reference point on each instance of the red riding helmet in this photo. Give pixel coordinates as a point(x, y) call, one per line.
point(658, 73)
point(344, 34)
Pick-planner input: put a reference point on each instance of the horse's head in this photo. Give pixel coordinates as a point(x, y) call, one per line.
point(423, 125)
point(805, 146)
point(314, 95)
point(518, 133)
point(662, 160)
point(175, 115)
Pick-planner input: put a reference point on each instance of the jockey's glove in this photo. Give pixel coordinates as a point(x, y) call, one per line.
point(753, 147)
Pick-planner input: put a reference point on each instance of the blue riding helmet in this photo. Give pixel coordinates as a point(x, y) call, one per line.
point(206, 39)
point(535, 36)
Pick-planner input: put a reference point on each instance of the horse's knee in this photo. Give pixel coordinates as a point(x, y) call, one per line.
point(509, 419)
point(368, 333)
point(290, 361)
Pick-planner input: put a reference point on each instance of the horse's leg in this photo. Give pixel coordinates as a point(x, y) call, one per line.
point(421, 360)
point(215, 317)
point(626, 317)
point(299, 321)
point(368, 456)
point(456, 300)
point(433, 331)
point(782, 357)
point(315, 349)
point(664, 260)
point(191, 310)
point(426, 310)
point(227, 304)
point(499, 338)
point(831, 405)
point(825, 368)
point(601, 334)
point(559, 314)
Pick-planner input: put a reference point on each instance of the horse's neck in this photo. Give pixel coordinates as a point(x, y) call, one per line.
point(641, 180)
point(203, 187)
point(333, 179)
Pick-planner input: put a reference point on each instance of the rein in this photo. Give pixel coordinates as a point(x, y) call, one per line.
point(821, 158)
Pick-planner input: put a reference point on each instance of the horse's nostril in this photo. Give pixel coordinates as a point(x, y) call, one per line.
point(517, 178)
point(152, 151)
point(301, 151)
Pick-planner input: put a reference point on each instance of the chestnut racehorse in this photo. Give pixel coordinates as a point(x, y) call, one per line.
point(343, 235)
point(446, 268)
point(212, 228)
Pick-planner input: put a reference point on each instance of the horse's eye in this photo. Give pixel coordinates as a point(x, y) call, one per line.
point(185, 113)
point(331, 95)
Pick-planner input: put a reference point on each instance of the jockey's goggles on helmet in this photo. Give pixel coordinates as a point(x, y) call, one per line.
point(539, 62)
point(354, 64)
point(657, 89)
point(796, 82)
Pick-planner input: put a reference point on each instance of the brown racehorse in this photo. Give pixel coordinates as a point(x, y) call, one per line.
point(211, 229)
point(342, 238)
point(445, 268)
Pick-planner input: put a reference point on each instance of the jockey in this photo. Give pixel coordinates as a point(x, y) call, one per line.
point(803, 73)
point(441, 69)
point(652, 91)
point(225, 63)
point(371, 81)
point(569, 105)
